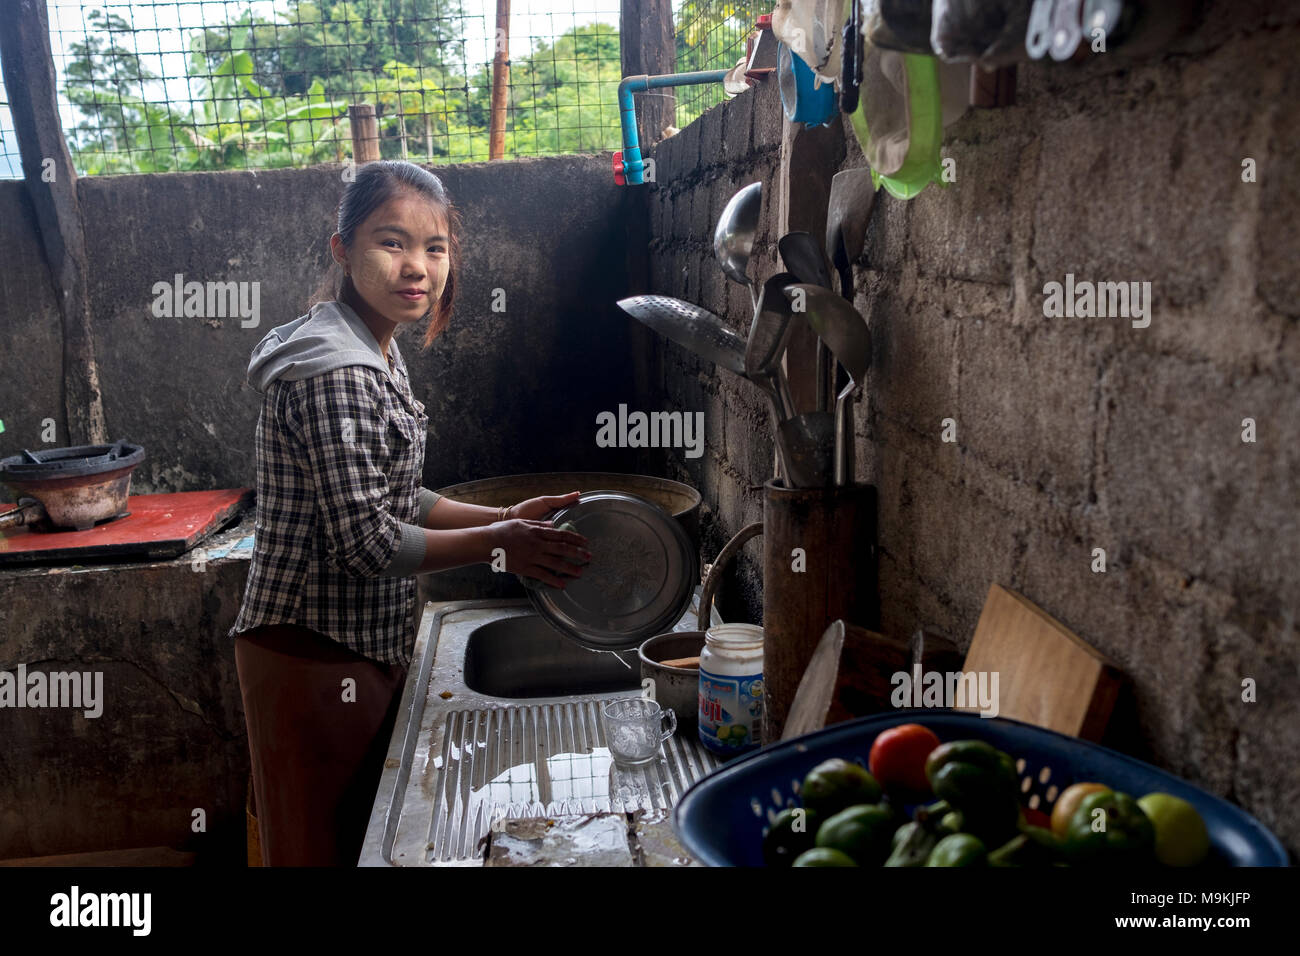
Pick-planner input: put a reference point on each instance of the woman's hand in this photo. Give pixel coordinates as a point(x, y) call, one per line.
point(537, 549)
point(536, 508)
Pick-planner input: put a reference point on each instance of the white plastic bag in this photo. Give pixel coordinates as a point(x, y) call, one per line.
point(811, 28)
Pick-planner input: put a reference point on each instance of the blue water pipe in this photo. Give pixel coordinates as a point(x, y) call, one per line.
point(628, 160)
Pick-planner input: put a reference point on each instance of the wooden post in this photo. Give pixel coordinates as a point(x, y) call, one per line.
point(52, 185)
point(992, 88)
point(810, 158)
point(819, 566)
point(500, 83)
point(646, 32)
point(365, 133)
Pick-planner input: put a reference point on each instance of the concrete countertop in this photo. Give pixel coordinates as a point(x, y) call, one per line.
point(154, 634)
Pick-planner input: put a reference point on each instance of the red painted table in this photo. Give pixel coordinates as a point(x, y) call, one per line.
point(157, 527)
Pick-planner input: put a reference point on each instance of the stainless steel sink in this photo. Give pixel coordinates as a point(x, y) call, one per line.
point(500, 719)
point(523, 657)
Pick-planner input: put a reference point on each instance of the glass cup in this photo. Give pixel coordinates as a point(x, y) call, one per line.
point(633, 729)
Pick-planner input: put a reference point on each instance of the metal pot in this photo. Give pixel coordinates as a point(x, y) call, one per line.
point(679, 687)
point(675, 687)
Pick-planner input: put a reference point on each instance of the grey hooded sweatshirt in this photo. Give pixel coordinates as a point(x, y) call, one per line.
point(332, 336)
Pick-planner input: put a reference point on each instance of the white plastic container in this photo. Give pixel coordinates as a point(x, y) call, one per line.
point(731, 688)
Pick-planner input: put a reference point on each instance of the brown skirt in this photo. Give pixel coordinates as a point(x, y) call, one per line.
point(319, 720)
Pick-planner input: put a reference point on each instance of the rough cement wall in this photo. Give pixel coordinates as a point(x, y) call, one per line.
point(170, 738)
point(31, 334)
point(1072, 434)
point(506, 391)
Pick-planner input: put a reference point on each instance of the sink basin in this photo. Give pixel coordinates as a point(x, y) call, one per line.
point(500, 719)
point(524, 657)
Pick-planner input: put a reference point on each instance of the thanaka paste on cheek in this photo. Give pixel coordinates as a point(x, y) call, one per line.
point(376, 267)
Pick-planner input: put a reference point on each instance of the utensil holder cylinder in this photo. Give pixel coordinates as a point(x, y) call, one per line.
point(819, 565)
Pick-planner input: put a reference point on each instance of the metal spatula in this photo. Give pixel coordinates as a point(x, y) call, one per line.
point(808, 441)
point(768, 336)
point(691, 327)
point(803, 256)
point(852, 198)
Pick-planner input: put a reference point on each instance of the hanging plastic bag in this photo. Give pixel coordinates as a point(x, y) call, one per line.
point(991, 32)
point(882, 121)
point(902, 25)
point(906, 100)
point(811, 29)
point(734, 83)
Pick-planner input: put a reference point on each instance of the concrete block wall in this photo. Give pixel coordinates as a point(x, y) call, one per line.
point(697, 172)
point(1071, 434)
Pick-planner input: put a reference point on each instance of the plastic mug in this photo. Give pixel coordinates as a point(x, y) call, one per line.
point(633, 729)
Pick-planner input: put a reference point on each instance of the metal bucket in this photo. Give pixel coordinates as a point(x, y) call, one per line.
point(479, 581)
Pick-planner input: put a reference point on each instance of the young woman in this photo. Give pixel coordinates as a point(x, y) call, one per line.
point(324, 633)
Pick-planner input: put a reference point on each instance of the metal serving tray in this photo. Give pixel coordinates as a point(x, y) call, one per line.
point(639, 580)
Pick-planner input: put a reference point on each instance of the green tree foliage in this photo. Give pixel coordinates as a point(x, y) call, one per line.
point(339, 42)
point(106, 82)
point(710, 35)
point(564, 96)
point(275, 92)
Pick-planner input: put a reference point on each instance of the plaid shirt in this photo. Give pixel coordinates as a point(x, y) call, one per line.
point(339, 457)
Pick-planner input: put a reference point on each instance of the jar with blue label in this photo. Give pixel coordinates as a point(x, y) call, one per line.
point(731, 689)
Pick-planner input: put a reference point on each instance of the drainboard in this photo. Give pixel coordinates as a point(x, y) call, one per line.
point(460, 758)
point(541, 761)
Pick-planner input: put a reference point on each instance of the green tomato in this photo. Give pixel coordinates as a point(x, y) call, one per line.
point(1181, 836)
point(1109, 827)
point(958, 849)
point(863, 832)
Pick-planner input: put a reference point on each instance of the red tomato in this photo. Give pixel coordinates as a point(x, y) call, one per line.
point(897, 758)
point(1037, 818)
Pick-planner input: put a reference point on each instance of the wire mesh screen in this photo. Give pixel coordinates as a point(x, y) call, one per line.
point(210, 84)
point(11, 166)
point(710, 35)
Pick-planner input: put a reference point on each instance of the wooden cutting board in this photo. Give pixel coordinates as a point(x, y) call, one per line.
point(1047, 675)
point(850, 675)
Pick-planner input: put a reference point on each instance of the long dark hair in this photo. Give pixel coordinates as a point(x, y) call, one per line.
point(376, 183)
